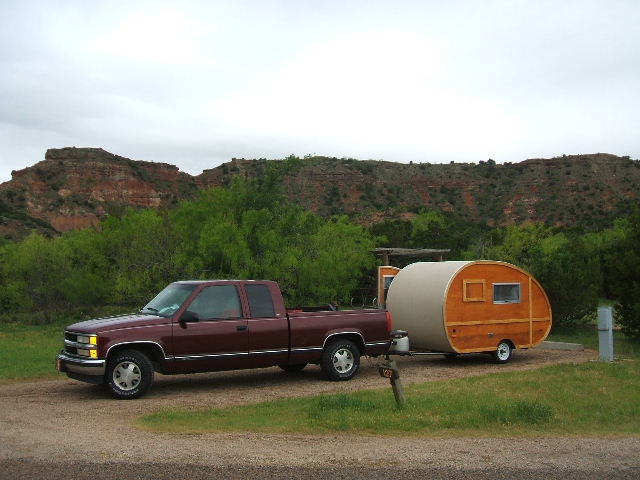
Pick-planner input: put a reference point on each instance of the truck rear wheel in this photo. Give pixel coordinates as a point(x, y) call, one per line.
point(129, 374)
point(340, 360)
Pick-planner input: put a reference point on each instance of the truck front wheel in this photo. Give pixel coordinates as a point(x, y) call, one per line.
point(129, 374)
point(340, 360)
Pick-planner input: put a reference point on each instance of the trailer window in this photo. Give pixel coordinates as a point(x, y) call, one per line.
point(506, 293)
point(473, 290)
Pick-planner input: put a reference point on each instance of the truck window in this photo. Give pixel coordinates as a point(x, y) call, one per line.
point(169, 299)
point(260, 301)
point(217, 301)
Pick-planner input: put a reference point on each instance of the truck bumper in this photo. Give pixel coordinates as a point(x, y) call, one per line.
point(76, 367)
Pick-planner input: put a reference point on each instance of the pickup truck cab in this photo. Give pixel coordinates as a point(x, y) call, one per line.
point(214, 325)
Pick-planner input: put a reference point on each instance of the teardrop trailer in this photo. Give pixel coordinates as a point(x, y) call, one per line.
point(459, 307)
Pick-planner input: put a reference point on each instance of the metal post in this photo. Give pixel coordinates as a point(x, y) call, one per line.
point(605, 333)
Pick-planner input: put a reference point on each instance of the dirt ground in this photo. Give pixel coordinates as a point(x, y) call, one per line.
point(63, 428)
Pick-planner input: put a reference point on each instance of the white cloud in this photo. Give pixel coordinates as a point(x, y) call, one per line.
point(163, 37)
point(371, 92)
point(196, 83)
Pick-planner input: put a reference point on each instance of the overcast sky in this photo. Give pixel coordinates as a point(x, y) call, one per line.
point(196, 83)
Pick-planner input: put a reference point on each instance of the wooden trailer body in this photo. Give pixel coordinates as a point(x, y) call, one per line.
point(466, 307)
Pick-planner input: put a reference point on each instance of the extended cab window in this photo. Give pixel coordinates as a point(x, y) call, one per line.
point(216, 302)
point(260, 301)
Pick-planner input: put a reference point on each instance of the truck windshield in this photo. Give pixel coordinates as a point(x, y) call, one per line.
point(168, 301)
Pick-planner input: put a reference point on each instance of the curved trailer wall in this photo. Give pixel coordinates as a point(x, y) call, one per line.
point(465, 307)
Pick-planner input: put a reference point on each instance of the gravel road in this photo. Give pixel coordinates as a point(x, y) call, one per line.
point(65, 429)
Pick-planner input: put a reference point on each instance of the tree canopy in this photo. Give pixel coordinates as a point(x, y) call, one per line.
point(245, 231)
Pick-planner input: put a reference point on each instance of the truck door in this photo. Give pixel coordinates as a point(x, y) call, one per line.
point(268, 330)
point(218, 340)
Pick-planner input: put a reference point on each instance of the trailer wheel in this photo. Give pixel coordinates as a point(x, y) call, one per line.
point(129, 374)
point(502, 353)
point(340, 360)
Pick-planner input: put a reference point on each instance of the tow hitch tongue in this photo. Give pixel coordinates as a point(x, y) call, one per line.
point(389, 369)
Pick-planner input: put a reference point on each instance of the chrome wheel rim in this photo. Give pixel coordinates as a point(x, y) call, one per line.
point(343, 360)
point(503, 351)
point(127, 375)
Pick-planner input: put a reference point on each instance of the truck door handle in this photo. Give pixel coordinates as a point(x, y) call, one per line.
point(241, 328)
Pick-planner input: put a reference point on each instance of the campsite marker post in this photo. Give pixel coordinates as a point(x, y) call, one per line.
point(389, 370)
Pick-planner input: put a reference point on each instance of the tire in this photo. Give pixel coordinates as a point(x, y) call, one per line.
point(293, 368)
point(502, 353)
point(129, 374)
point(340, 360)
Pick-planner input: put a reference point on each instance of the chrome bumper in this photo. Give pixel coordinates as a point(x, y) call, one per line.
point(82, 366)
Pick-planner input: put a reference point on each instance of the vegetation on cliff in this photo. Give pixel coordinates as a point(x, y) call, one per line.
point(77, 187)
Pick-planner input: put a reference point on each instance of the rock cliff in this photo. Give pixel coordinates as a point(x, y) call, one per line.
point(76, 187)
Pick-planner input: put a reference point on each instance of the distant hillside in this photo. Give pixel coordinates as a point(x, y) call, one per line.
point(75, 187)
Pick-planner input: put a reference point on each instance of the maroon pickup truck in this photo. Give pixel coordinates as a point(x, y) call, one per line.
point(206, 326)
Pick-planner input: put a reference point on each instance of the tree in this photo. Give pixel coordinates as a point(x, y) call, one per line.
point(242, 232)
point(626, 282)
point(607, 246)
point(139, 248)
point(12, 293)
point(435, 229)
point(570, 274)
point(334, 258)
point(393, 232)
point(517, 244)
point(36, 271)
point(86, 282)
point(429, 230)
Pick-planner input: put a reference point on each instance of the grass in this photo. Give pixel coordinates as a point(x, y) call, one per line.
point(594, 398)
point(28, 348)
point(587, 335)
point(28, 352)
point(589, 399)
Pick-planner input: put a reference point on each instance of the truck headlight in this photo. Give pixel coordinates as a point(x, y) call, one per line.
point(91, 341)
point(88, 339)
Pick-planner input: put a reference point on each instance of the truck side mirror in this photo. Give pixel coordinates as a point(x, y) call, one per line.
point(189, 317)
